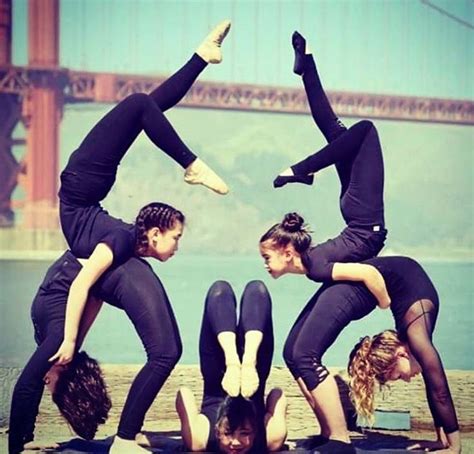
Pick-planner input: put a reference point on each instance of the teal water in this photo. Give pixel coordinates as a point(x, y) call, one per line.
point(112, 339)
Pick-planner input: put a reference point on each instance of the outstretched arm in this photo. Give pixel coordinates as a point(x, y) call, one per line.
point(96, 265)
point(368, 274)
point(93, 306)
point(437, 388)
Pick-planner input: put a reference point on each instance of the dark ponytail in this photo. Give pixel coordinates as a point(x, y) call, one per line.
point(155, 214)
point(292, 229)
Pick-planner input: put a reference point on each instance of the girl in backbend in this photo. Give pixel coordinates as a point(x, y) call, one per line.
point(77, 388)
point(385, 357)
point(235, 358)
point(109, 242)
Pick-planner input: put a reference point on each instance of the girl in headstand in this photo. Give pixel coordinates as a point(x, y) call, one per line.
point(235, 358)
point(109, 242)
point(357, 156)
point(77, 388)
point(389, 356)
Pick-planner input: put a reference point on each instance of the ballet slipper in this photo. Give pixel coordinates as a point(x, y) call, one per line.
point(199, 173)
point(210, 49)
point(299, 45)
point(288, 176)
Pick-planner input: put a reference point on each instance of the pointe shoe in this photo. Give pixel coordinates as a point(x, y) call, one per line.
point(210, 48)
point(199, 173)
point(281, 180)
point(299, 45)
point(231, 380)
point(249, 380)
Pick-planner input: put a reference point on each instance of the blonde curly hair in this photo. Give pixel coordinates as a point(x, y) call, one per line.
point(371, 360)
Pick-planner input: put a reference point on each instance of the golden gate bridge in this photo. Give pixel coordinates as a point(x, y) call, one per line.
point(34, 95)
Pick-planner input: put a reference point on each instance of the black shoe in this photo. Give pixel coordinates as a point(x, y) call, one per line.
point(299, 45)
point(281, 180)
point(335, 447)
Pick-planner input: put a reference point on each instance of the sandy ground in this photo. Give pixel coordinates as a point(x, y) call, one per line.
point(162, 424)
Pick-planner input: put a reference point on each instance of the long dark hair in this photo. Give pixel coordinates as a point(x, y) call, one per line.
point(81, 395)
point(291, 230)
point(155, 214)
point(235, 412)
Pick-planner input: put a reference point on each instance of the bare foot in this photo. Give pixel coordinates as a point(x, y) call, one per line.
point(199, 173)
point(210, 48)
point(122, 446)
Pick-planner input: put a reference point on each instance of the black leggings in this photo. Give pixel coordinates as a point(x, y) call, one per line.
point(219, 316)
point(136, 289)
point(327, 313)
point(132, 287)
point(48, 315)
point(333, 307)
point(356, 153)
point(91, 170)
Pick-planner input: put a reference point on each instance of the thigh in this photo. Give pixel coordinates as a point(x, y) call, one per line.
point(335, 308)
point(135, 288)
point(296, 328)
point(363, 176)
point(38, 364)
point(107, 142)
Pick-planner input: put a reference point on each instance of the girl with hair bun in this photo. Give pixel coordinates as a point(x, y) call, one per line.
point(357, 155)
point(109, 242)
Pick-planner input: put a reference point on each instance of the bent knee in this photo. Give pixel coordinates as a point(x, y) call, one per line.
point(138, 100)
point(218, 289)
point(256, 286)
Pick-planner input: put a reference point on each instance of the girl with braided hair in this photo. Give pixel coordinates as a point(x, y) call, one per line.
point(108, 242)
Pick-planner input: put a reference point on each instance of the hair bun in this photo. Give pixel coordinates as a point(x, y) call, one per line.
point(292, 222)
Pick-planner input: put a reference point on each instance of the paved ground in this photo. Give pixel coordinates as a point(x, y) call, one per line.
point(163, 426)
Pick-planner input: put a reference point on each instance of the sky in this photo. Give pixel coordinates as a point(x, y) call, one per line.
point(405, 47)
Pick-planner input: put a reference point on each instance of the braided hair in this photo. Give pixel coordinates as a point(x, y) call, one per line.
point(371, 360)
point(155, 214)
point(291, 230)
